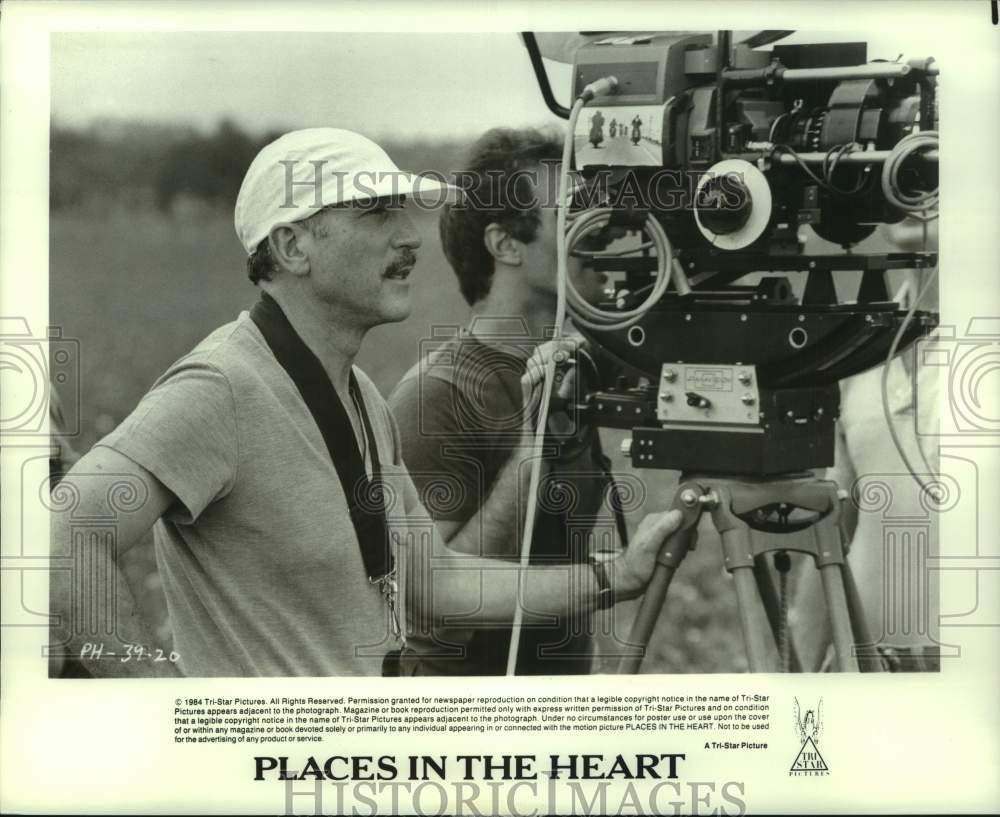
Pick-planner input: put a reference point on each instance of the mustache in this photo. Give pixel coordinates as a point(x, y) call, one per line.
point(407, 258)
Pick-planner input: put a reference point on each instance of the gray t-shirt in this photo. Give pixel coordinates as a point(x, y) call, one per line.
point(259, 559)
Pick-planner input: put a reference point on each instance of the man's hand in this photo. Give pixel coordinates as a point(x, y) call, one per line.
point(633, 569)
point(560, 351)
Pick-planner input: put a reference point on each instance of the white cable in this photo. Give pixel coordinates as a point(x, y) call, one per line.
point(562, 251)
point(917, 204)
point(593, 317)
point(886, 411)
point(583, 314)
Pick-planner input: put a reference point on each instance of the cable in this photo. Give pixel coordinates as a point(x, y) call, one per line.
point(562, 251)
point(601, 87)
point(774, 126)
point(906, 295)
point(593, 317)
point(885, 390)
point(833, 156)
point(830, 161)
point(806, 169)
point(917, 204)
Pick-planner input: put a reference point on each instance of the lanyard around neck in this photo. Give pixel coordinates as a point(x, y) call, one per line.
point(365, 497)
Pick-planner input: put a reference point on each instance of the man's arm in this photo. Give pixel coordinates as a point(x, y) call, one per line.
point(448, 582)
point(94, 480)
point(493, 527)
point(447, 587)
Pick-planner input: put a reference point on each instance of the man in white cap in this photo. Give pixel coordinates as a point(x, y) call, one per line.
point(288, 534)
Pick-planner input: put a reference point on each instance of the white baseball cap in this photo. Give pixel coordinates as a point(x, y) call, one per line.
point(304, 171)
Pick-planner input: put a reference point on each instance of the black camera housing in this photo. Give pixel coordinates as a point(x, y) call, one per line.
point(813, 126)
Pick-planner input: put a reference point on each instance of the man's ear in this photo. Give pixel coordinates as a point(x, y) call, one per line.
point(502, 246)
point(287, 250)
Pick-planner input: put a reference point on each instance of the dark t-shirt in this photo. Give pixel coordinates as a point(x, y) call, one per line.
point(459, 413)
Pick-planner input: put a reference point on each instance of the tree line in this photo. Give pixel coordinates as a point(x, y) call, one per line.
point(152, 166)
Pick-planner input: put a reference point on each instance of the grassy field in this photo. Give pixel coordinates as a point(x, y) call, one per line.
point(139, 289)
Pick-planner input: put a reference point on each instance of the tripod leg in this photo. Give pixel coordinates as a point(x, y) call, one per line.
point(840, 621)
point(772, 606)
point(673, 553)
point(868, 657)
point(761, 653)
point(830, 561)
point(646, 618)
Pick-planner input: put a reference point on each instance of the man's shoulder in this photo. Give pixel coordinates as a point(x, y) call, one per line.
point(465, 391)
point(464, 365)
point(235, 350)
point(436, 374)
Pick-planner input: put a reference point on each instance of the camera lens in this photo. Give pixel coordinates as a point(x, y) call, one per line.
point(724, 204)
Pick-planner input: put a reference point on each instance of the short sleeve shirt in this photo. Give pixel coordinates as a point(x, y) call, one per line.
point(260, 563)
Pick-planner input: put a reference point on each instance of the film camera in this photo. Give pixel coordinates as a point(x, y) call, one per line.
point(723, 340)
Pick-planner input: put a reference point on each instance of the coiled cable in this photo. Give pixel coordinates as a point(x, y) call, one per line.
point(593, 317)
point(919, 203)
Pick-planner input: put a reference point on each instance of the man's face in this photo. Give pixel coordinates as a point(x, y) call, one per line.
point(360, 259)
point(541, 255)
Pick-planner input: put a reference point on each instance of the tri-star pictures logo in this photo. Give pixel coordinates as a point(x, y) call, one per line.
point(809, 762)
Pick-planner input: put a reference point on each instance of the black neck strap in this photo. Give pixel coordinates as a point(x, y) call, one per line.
point(364, 496)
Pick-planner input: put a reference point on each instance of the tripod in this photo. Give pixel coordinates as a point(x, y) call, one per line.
point(740, 507)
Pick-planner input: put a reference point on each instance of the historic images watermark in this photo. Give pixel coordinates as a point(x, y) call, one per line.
point(34, 367)
point(314, 186)
point(516, 784)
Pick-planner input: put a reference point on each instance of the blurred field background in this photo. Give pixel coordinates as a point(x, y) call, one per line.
point(144, 263)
